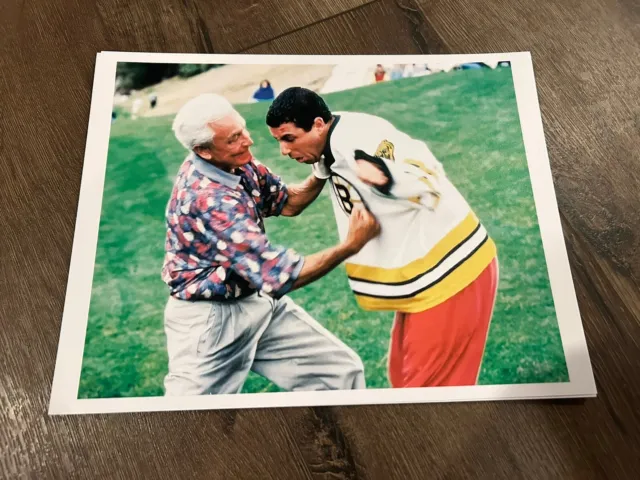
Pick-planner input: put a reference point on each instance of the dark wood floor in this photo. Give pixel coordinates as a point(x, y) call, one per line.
point(587, 58)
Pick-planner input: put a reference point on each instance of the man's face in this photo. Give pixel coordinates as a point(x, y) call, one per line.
point(231, 143)
point(302, 146)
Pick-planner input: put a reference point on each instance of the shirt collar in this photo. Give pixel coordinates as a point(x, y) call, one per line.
point(214, 173)
point(326, 153)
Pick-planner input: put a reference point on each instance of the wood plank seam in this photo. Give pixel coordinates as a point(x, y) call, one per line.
point(411, 13)
point(200, 29)
point(422, 33)
point(290, 32)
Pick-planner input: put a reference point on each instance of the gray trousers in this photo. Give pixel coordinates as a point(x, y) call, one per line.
point(212, 346)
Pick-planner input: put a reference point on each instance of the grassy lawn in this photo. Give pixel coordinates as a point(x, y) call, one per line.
point(470, 121)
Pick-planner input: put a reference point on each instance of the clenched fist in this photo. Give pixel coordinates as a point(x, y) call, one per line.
point(363, 226)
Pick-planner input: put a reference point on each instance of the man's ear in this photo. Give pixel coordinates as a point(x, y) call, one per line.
point(319, 123)
point(203, 152)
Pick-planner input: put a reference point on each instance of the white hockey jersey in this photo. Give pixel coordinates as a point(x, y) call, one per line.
point(431, 244)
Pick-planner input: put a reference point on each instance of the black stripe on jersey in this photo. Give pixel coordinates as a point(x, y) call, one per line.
point(328, 154)
point(445, 275)
point(420, 275)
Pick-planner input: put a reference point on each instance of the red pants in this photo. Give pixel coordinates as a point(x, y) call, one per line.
point(444, 345)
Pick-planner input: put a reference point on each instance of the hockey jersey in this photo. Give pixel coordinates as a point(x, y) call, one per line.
point(431, 244)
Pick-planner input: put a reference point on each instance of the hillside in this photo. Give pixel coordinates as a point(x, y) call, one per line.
point(236, 82)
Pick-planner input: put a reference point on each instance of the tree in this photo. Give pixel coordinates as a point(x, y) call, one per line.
point(135, 76)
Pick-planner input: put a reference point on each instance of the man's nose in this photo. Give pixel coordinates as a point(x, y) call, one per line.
point(284, 150)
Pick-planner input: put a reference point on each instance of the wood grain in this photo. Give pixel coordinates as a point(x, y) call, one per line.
point(586, 58)
point(378, 28)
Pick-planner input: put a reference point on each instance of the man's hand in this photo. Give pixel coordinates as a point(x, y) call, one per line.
point(370, 174)
point(373, 171)
point(363, 226)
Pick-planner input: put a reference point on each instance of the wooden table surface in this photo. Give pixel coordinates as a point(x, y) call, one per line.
point(587, 59)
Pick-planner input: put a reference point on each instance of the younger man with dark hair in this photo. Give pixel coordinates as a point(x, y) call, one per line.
point(433, 262)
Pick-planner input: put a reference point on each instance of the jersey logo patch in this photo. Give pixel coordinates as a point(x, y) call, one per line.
point(346, 194)
point(385, 150)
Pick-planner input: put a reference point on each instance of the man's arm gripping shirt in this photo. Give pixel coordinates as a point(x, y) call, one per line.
point(411, 179)
point(272, 189)
point(242, 247)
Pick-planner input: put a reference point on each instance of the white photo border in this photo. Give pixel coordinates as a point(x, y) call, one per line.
point(64, 393)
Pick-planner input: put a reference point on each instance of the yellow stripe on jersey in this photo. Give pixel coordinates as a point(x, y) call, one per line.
point(426, 181)
point(447, 287)
point(419, 266)
point(421, 166)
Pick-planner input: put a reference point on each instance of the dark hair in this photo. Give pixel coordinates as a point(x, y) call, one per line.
point(299, 106)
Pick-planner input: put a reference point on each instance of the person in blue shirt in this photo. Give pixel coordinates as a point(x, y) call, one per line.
point(265, 92)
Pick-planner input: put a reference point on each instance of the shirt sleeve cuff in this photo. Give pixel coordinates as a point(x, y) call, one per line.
point(288, 285)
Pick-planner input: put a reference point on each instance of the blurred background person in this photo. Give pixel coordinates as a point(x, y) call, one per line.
point(264, 93)
point(408, 70)
point(135, 108)
point(396, 72)
point(420, 70)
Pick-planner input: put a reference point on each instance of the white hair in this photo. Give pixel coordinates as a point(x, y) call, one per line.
point(191, 125)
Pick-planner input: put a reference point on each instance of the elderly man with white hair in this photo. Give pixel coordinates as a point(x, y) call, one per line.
point(228, 312)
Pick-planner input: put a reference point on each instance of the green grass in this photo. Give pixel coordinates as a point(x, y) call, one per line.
point(470, 121)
